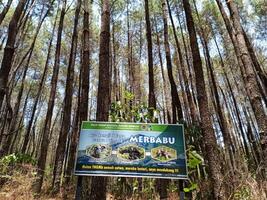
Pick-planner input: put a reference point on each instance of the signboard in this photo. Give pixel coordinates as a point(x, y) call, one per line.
point(131, 150)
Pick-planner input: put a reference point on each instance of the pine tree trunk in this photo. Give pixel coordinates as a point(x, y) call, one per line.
point(151, 92)
point(27, 134)
point(85, 82)
point(37, 184)
point(218, 108)
point(176, 104)
point(251, 83)
point(85, 62)
point(29, 126)
point(206, 124)
point(10, 49)
point(5, 10)
point(188, 97)
point(65, 126)
point(165, 99)
point(103, 101)
point(190, 94)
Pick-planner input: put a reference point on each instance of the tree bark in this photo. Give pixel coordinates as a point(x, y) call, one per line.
point(251, 85)
point(85, 62)
point(176, 104)
point(65, 126)
point(41, 83)
point(165, 100)
point(188, 97)
point(103, 101)
point(37, 184)
point(206, 124)
point(10, 49)
point(151, 92)
point(5, 10)
point(27, 133)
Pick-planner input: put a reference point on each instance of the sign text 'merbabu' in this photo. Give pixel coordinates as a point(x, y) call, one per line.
point(153, 140)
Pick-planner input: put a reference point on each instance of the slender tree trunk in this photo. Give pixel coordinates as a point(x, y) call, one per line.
point(190, 94)
point(37, 184)
point(74, 139)
point(85, 62)
point(176, 104)
point(251, 83)
point(151, 92)
point(188, 97)
point(65, 126)
point(10, 49)
point(165, 100)
point(8, 136)
point(115, 67)
point(231, 33)
point(41, 83)
point(206, 124)
point(20, 126)
point(103, 102)
point(137, 68)
point(5, 10)
point(260, 74)
point(27, 134)
point(85, 80)
point(222, 118)
point(129, 49)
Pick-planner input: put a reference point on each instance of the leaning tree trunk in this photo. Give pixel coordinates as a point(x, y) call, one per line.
point(29, 126)
point(103, 101)
point(251, 85)
point(226, 133)
point(27, 134)
point(206, 124)
point(11, 129)
point(37, 184)
point(10, 49)
point(5, 10)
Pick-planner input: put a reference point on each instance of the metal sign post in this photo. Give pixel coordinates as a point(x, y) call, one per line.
point(78, 194)
point(181, 189)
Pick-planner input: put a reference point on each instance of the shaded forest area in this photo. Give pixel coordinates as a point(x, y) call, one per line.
point(199, 63)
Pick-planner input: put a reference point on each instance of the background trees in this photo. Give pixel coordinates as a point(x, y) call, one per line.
point(200, 63)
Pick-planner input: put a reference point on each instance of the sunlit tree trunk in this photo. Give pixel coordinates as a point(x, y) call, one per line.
point(67, 108)
point(103, 101)
point(10, 49)
point(151, 94)
point(251, 85)
point(176, 104)
point(206, 124)
point(37, 184)
point(5, 10)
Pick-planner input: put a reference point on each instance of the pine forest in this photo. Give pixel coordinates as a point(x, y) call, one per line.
point(199, 64)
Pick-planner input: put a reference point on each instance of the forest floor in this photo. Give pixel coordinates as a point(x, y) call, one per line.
point(16, 185)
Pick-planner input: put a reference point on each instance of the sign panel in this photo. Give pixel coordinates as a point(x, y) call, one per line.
point(131, 150)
